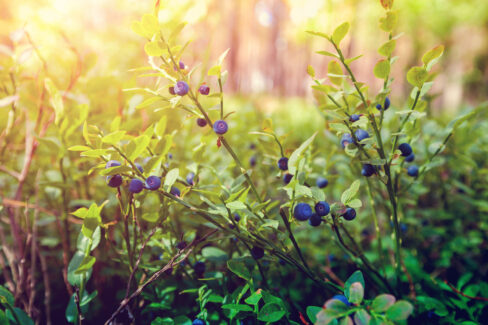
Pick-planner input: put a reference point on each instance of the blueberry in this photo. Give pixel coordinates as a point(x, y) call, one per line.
point(231, 225)
point(172, 90)
point(112, 163)
point(368, 170)
point(136, 185)
point(354, 117)
point(257, 252)
point(138, 166)
point(361, 134)
point(181, 245)
point(114, 180)
point(175, 191)
point(378, 107)
point(181, 88)
point(282, 261)
point(220, 127)
point(406, 149)
point(322, 208)
point(403, 227)
point(253, 161)
point(153, 183)
point(170, 156)
point(387, 103)
point(204, 89)
point(199, 267)
point(346, 139)
point(169, 271)
point(410, 157)
point(350, 214)
point(201, 122)
point(198, 322)
point(287, 178)
point(181, 65)
point(190, 178)
point(343, 299)
point(302, 212)
point(322, 182)
point(413, 171)
point(252, 146)
point(237, 217)
point(315, 220)
point(283, 163)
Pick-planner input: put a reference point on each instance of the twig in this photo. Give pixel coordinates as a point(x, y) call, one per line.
point(78, 307)
point(187, 250)
point(47, 286)
point(463, 294)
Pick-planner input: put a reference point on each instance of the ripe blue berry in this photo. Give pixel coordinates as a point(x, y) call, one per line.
point(136, 185)
point(199, 268)
point(112, 163)
point(406, 149)
point(346, 139)
point(322, 182)
point(153, 183)
point(220, 127)
point(201, 122)
point(253, 161)
point(190, 178)
point(343, 299)
point(368, 170)
point(287, 178)
point(181, 66)
point(138, 166)
point(322, 208)
point(172, 90)
point(315, 220)
point(302, 211)
point(387, 103)
point(410, 157)
point(181, 88)
point(257, 252)
point(361, 134)
point(283, 163)
point(175, 191)
point(237, 217)
point(354, 117)
point(114, 180)
point(413, 171)
point(204, 90)
point(181, 245)
point(378, 107)
point(198, 322)
point(350, 214)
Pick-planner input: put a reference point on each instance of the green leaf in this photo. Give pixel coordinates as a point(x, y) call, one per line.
point(340, 32)
point(86, 264)
point(356, 293)
point(149, 101)
point(351, 192)
point(312, 312)
point(293, 161)
point(401, 310)
point(82, 242)
point(416, 76)
point(150, 24)
point(389, 22)
point(21, 315)
point(433, 304)
point(361, 317)
point(334, 69)
point(326, 53)
point(55, 99)
point(7, 296)
point(254, 298)
point(433, 54)
point(382, 69)
point(355, 277)
point(214, 254)
point(348, 61)
point(383, 302)
point(318, 34)
point(154, 48)
point(114, 137)
point(236, 205)
point(311, 71)
point(214, 71)
point(171, 178)
point(78, 148)
point(387, 48)
point(239, 268)
point(138, 145)
point(73, 278)
point(355, 203)
point(238, 307)
point(271, 312)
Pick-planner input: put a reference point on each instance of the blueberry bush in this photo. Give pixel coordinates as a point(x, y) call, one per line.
point(165, 202)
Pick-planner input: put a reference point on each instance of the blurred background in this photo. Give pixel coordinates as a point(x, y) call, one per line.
point(270, 49)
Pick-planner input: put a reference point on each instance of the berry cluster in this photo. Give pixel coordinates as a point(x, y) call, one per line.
point(407, 152)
